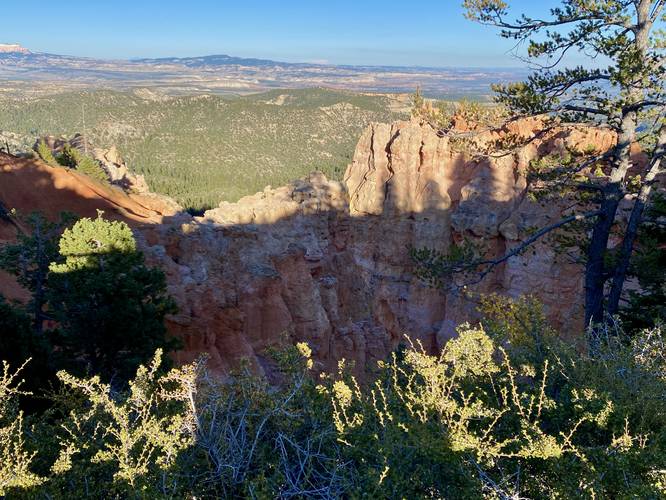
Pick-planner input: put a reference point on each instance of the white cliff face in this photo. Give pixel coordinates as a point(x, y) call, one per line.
point(328, 263)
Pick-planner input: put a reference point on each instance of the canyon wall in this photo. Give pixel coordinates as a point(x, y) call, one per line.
point(328, 262)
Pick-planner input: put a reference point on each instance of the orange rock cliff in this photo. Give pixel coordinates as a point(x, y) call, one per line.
point(327, 262)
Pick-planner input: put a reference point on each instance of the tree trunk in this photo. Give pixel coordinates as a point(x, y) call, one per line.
point(595, 278)
point(595, 274)
point(633, 225)
point(42, 269)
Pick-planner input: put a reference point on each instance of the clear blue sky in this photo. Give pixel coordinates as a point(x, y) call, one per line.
point(399, 32)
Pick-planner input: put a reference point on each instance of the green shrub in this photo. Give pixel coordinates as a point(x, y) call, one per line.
point(472, 422)
point(255, 440)
point(442, 115)
point(45, 154)
point(73, 158)
point(15, 459)
point(110, 444)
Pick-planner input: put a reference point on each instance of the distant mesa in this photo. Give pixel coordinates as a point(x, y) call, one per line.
point(10, 48)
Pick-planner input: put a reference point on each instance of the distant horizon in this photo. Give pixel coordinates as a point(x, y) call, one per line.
point(432, 34)
point(238, 56)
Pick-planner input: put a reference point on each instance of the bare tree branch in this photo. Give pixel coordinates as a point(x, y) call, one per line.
point(656, 10)
point(518, 249)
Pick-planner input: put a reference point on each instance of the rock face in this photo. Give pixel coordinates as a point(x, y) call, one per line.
point(328, 262)
point(118, 172)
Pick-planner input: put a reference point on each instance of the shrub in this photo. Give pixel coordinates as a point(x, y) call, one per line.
point(471, 422)
point(437, 113)
point(255, 440)
point(132, 443)
point(15, 459)
point(73, 158)
point(442, 115)
point(111, 444)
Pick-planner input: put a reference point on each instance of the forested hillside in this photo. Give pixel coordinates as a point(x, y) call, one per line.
point(203, 149)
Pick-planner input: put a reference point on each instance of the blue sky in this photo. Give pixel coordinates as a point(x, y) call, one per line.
point(399, 32)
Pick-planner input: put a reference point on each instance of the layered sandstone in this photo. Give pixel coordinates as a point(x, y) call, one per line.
point(327, 262)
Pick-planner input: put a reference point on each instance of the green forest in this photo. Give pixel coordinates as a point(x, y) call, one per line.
point(201, 150)
point(91, 405)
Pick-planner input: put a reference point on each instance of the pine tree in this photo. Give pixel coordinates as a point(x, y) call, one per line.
point(109, 306)
point(73, 158)
point(30, 257)
point(628, 97)
point(45, 154)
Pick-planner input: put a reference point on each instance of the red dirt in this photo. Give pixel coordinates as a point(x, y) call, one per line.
point(28, 185)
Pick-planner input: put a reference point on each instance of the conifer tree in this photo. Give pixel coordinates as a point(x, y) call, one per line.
point(109, 306)
point(626, 95)
point(29, 258)
point(73, 158)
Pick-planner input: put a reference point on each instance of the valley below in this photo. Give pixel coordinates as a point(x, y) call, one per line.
point(205, 148)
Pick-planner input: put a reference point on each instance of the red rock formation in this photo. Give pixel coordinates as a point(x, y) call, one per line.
point(32, 186)
point(327, 262)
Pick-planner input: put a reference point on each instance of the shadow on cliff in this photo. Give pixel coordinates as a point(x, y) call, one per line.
point(28, 185)
point(344, 283)
point(298, 263)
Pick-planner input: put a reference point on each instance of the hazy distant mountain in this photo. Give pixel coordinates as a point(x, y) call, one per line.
point(21, 68)
point(216, 60)
point(12, 48)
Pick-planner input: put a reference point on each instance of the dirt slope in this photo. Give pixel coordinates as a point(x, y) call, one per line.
point(28, 185)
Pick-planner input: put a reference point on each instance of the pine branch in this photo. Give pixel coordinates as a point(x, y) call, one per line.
point(583, 109)
point(518, 249)
point(490, 264)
